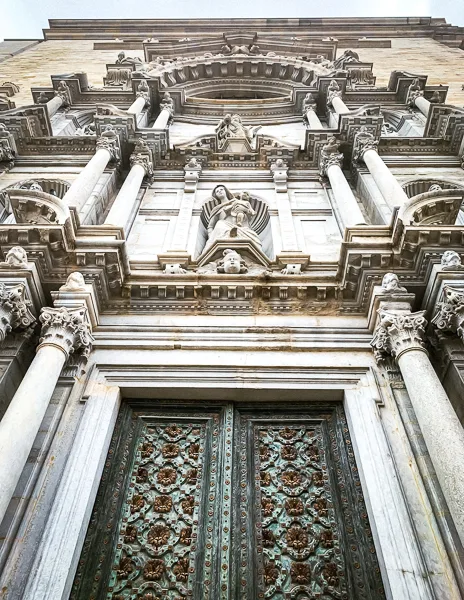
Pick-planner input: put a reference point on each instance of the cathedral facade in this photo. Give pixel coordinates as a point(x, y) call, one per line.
point(232, 310)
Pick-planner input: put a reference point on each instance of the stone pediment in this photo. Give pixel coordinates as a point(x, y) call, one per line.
point(250, 253)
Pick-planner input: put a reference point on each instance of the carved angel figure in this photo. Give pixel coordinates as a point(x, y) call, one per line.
point(231, 126)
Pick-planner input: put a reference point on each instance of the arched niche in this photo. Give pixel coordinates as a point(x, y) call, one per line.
point(260, 223)
point(437, 206)
point(54, 187)
point(421, 186)
point(36, 207)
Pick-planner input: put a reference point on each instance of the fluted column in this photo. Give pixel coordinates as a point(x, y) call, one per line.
point(279, 172)
point(334, 98)
point(142, 99)
point(192, 172)
point(124, 204)
point(14, 311)
point(365, 148)
point(81, 188)
point(63, 331)
point(330, 165)
point(402, 335)
point(309, 113)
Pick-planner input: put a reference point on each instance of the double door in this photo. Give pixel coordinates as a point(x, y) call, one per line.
point(229, 502)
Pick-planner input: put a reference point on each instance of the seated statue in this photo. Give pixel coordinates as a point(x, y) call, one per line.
point(128, 60)
point(230, 217)
point(231, 126)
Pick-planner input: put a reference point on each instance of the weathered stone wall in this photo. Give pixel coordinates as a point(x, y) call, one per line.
point(416, 55)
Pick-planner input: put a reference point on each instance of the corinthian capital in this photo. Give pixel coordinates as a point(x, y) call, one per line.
point(143, 92)
point(330, 155)
point(363, 141)
point(109, 140)
point(450, 315)
point(67, 329)
point(14, 309)
point(144, 160)
point(333, 91)
point(398, 333)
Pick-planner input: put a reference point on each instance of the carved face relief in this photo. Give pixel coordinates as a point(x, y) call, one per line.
point(391, 283)
point(220, 193)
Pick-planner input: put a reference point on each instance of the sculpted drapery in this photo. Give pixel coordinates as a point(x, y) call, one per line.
point(231, 217)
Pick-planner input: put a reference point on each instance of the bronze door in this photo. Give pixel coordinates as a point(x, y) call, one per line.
point(229, 502)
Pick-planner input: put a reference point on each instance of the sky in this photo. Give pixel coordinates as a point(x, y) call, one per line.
point(25, 19)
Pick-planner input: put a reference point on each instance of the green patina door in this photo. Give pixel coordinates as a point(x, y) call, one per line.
point(229, 502)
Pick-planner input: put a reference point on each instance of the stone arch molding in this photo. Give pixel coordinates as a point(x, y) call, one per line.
point(32, 205)
point(431, 202)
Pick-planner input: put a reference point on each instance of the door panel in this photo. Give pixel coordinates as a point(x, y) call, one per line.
point(229, 503)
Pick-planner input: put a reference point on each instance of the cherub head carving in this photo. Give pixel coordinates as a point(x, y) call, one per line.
point(231, 263)
point(74, 283)
point(450, 258)
point(391, 284)
point(16, 258)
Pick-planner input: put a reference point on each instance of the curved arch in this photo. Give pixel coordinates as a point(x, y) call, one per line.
point(34, 207)
point(53, 187)
point(439, 207)
point(421, 186)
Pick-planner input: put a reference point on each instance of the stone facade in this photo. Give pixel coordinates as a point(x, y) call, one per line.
point(231, 258)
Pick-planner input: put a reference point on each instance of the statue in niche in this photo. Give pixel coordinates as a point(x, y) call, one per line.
point(231, 217)
point(231, 126)
point(127, 60)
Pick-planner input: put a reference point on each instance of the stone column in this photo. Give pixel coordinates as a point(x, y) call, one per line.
point(402, 335)
point(163, 120)
point(330, 165)
point(416, 98)
point(62, 98)
point(81, 188)
point(14, 311)
point(124, 204)
point(192, 172)
point(309, 113)
point(334, 98)
point(58, 553)
point(279, 172)
point(365, 148)
point(63, 331)
point(142, 99)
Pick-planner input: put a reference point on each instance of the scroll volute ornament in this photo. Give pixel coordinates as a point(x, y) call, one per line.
point(450, 315)
point(398, 333)
point(14, 309)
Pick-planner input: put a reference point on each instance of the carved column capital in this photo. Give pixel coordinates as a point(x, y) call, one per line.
point(14, 309)
point(363, 141)
point(327, 160)
point(450, 315)
point(144, 160)
point(398, 333)
point(66, 329)
point(7, 146)
point(143, 92)
point(109, 140)
point(414, 92)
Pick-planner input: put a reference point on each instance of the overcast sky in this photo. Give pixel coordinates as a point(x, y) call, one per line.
point(26, 18)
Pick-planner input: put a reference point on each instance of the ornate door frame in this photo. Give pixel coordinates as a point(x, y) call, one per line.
point(397, 547)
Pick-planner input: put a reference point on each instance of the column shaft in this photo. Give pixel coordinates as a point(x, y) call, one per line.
point(440, 426)
point(137, 106)
point(422, 104)
point(339, 106)
point(22, 420)
point(313, 119)
point(58, 553)
point(346, 202)
point(83, 185)
point(124, 203)
point(387, 183)
point(53, 105)
point(162, 119)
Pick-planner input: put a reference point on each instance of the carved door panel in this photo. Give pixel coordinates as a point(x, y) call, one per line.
point(229, 504)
